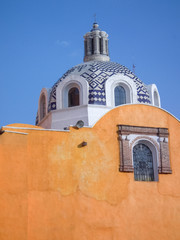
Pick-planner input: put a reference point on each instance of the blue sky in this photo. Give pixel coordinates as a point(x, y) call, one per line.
point(41, 39)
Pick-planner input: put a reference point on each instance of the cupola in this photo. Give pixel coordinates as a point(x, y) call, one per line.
point(96, 45)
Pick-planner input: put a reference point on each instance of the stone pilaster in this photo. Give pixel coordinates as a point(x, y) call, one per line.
point(89, 46)
point(103, 43)
point(125, 155)
point(164, 166)
point(96, 42)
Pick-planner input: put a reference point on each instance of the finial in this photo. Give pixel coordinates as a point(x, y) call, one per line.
point(95, 25)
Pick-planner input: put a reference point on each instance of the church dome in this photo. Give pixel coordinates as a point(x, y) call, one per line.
point(89, 90)
point(96, 73)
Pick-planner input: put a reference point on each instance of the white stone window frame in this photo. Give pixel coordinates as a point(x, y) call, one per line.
point(152, 91)
point(128, 85)
point(44, 92)
point(153, 146)
point(64, 87)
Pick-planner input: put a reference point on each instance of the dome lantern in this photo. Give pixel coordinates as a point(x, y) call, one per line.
point(96, 45)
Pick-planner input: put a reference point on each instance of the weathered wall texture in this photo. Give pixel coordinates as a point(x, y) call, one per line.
point(53, 189)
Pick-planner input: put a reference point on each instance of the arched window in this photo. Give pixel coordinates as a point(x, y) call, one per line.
point(73, 97)
point(42, 107)
point(143, 163)
point(120, 95)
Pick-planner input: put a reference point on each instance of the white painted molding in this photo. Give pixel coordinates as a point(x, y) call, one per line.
point(36, 129)
point(154, 95)
point(64, 86)
point(15, 132)
point(124, 81)
point(45, 92)
point(152, 145)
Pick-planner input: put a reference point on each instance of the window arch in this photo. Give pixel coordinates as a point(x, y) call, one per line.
point(73, 94)
point(42, 107)
point(119, 95)
point(156, 99)
point(145, 155)
point(143, 163)
point(73, 97)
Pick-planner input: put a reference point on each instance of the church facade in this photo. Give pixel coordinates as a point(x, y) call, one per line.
point(102, 161)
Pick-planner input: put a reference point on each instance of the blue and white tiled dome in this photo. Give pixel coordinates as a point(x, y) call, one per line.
point(96, 73)
point(89, 90)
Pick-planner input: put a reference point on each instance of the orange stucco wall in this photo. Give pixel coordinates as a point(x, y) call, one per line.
point(53, 189)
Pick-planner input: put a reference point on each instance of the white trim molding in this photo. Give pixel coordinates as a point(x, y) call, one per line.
point(155, 149)
point(45, 93)
point(154, 95)
point(65, 85)
point(128, 85)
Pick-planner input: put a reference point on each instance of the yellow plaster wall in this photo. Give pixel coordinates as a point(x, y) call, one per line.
point(53, 189)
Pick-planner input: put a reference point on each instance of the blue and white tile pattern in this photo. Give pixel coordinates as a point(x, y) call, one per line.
point(96, 74)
